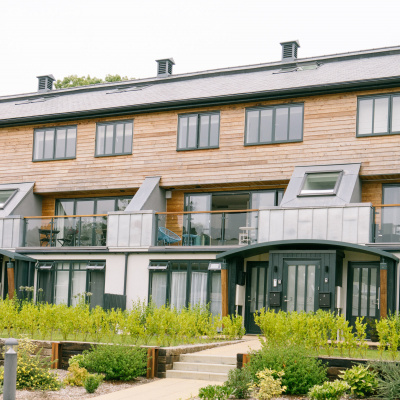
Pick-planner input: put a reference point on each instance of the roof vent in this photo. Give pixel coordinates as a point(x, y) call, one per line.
point(45, 83)
point(289, 50)
point(164, 67)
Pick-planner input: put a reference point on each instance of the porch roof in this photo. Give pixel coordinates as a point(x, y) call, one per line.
point(16, 256)
point(303, 244)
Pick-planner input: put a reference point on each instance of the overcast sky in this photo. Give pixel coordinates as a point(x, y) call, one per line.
point(98, 37)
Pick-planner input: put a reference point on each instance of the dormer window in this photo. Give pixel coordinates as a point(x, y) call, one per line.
point(5, 197)
point(321, 183)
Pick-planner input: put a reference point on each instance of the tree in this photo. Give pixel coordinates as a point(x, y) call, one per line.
point(75, 80)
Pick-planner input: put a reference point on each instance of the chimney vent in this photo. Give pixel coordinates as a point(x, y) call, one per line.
point(289, 50)
point(164, 67)
point(45, 83)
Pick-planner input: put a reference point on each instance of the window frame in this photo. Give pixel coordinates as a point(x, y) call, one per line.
point(55, 128)
point(198, 115)
point(273, 108)
point(390, 97)
point(331, 193)
point(114, 124)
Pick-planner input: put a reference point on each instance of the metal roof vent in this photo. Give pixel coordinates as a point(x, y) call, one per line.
point(289, 50)
point(164, 67)
point(45, 83)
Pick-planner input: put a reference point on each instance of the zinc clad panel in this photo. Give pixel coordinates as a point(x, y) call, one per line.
point(276, 226)
point(364, 225)
point(290, 224)
point(112, 230)
point(320, 223)
point(123, 230)
point(350, 228)
point(335, 224)
point(305, 224)
point(17, 233)
point(148, 223)
point(135, 230)
point(8, 232)
point(264, 218)
point(1, 232)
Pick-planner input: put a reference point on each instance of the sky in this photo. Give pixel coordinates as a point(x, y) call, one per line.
point(125, 37)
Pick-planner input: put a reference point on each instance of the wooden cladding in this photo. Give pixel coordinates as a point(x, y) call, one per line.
point(329, 137)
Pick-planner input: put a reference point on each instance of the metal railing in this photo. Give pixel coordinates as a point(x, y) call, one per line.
point(206, 228)
point(65, 231)
point(387, 223)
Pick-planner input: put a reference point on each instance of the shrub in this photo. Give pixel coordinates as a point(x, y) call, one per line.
point(76, 375)
point(301, 372)
point(329, 390)
point(239, 380)
point(233, 326)
point(92, 382)
point(361, 380)
point(388, 379)
point(269, 384)
point(116, 362)
point(215, 392)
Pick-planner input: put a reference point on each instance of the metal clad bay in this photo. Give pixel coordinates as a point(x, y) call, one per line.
point(290, 226)
point(320, 223)
point(305, 223)
point(335, 224)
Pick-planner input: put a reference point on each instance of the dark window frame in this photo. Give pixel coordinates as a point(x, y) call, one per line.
point(114, 124)
point(198, 125)
point(55, 129)
point(390, 97)
point(273, 108)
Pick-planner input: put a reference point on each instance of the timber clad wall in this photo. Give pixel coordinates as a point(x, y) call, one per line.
point(329, 137)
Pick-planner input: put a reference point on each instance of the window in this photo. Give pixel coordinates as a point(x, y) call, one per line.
point(388, 218)
point(180, 283)
point(320, 183)
point(66, 282)
point(275, 124)
point(5, 197)
point(198, 131)
point(114, 138)
point(57, 143)
point(378, 115)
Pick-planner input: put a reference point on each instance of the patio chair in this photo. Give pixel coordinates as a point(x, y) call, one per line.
point(167, 237)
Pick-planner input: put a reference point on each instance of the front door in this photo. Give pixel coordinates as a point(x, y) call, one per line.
point(363, 291)
point(256, 293)
point(300, 288)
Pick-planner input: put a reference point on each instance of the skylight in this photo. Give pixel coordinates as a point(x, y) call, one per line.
point(321, 183)
point(5, 196)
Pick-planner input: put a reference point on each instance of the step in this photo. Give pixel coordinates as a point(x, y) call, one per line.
point(208, 359)
point(203, 367)
point(203, 376)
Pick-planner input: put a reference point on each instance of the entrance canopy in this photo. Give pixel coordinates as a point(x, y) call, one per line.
point(303, 244)
point(16, 256)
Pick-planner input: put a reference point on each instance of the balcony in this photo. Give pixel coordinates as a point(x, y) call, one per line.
point(206, 228)
point(65, 231)
point(387, 223)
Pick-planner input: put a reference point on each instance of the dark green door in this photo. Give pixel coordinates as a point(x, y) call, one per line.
point(256, 293)
point(363, 291)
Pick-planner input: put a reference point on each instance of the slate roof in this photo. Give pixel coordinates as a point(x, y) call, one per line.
point(349, 71)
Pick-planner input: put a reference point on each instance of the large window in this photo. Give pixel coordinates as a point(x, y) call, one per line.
point(56, 143)
point(114, 138)
point(378, 115)
point(180, 283)
point(198, 131)
point(68, 282)
point(274, 124)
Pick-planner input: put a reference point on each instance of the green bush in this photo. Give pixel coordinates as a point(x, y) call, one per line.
point(301, 372)
point(76, 375)
point(361, 380)
point(215, 392)
point(329, 390)
point(269, 385)
point(116, 362)
point(388, 379)
point(233, 326)
point(239, 380)
point(92, 382)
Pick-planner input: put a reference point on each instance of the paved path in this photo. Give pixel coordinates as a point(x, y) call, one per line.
point(180, 389)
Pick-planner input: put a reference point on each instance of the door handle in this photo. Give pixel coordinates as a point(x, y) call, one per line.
point(289, 299)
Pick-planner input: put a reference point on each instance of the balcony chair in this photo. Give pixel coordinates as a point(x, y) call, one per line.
point(167, 237)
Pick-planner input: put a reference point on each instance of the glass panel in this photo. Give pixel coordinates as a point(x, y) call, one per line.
point(103, 206)
point(78, 286)
point(296, 123)
point(253, 290)
point(178, 290)
point(263, 199)
point(65, 207)
point(128, 137)
point(232, 224)
point(100, 139)
point(204, 128)
point(96, 287)
point(183, 128)
point(214, 130)
point(192, 136)
point(365, 117)
point(60, 143)
point(109, 139)
point(39, 139)
point(261, 288)
point(4, 196)
point(281, 124)
point(280, 197)
point(252, 126)
point(356, 288)
point(266, 126)
point(119, 138)
point(49, 144)
point(84, 207)
point(71, 142)
point(216, 294)
point(122, 204)
point(381, 115)
point(61, 287)
point(396, 114)
point(364, 292)
point(301, 285)
point(320, 183)
point(159, 288)
point(196, 229)
point(198, 290)
point(373, 293)
point(310, 288)
point(291, 289)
